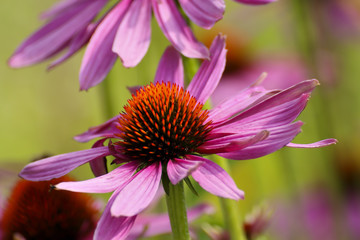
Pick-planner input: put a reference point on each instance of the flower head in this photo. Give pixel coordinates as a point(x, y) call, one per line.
point(124, 30)
point(34, 211)
point(164, 129)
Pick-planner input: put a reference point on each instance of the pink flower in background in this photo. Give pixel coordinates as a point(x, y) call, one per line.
point(124, 31)
point(164, 129)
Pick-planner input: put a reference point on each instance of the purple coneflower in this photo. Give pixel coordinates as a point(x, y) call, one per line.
point(164, 131)
point(124, 30)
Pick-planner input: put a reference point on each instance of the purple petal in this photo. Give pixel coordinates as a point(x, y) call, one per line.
point(235, 143)
point(133, 35)
point(210, 71)
point(176, 30)
point(99, 165)
point(279, 137)
point(51, 37)
point(238, 103)
point(152, 225)
point(170, 68)
point(106, 129)
point(99, 58)
point(58, 7)
point(255, 2)
point(110, 227)
point(283, 97)
point(78, 42)
point(276, 116)
point(322, 143)
point(109, 182)
point(215, 180)
point(138, 194)
point(57, 166)
point(204, 13)
point(178, 169)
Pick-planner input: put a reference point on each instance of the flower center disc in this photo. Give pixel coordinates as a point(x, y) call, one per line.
point(162, 122)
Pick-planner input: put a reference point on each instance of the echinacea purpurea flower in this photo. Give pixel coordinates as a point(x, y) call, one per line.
point(165, 130)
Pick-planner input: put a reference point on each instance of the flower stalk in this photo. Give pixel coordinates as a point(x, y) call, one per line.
point(175, 201)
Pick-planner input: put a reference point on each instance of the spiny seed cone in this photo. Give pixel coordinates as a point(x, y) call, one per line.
point(162, 122)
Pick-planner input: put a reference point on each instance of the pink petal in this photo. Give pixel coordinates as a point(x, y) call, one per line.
point(285, 96)
point(58, 7)
point(322, 143)
point(99, 165)
point(215, 180)
point(132, 39)
point(210, 71)
point(106, 129)
point(236, 143)
point(255, 2)
point(57, 166)
point(279, 137)
point(170, 68)
point(138, 194)
point(51, 37)
point(276, 116)
point(110, 227)
point(78, 42)
point(99, 58)
point(204, 13)
point(116, 179)
point(176, 30)
point(238, 103)
point(179, 169)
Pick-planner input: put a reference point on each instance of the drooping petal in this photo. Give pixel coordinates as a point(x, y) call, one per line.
point(278, 138)
point(57, 8)
point(255, 2)
point(110, 227)
point(215, 180)
point(99, 57)
point(238, 103)
point(208, 76)
point(178, 169)
point(176, 30)
point(276, 116)
point(152, 225)
point(170, 68)
point(99, 165)
point(138, 194)
point(116, 179)
point(60, 165)
point(322, 143)
point(132, 39)
point(107, 129)
point(78, 42)
point(50, 38)
point(232, 143)
point(204, 13)
point(288, 95)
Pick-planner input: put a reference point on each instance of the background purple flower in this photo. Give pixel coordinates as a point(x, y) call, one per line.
point(122, 31)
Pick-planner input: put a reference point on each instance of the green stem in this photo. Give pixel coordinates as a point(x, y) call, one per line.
point(230, 207)
point(108, 105)
point(175, 200)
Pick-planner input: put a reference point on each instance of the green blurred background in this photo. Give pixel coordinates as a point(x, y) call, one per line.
point(42, 110)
